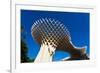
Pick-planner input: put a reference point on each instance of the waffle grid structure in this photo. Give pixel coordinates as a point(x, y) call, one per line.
point(50, 30)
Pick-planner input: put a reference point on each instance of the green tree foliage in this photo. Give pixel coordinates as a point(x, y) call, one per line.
point(24, 49)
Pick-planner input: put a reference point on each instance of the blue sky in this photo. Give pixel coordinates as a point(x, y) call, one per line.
point(76, 22)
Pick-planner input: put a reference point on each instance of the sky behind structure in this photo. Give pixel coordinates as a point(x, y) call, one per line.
point(76, 22)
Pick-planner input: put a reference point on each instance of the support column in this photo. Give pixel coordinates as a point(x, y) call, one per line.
point(45, 54)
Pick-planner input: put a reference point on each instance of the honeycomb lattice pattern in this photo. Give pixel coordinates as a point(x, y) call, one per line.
point(50, 31)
